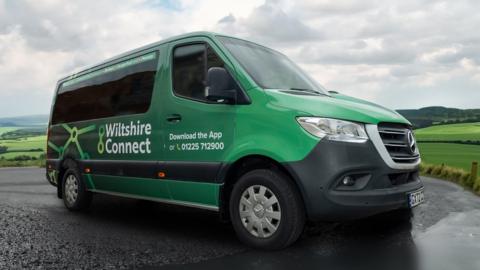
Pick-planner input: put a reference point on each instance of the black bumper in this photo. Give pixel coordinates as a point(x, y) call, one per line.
point(378, 188)
point(52, 166)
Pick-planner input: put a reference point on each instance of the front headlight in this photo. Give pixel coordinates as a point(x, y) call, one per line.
point(334, 129)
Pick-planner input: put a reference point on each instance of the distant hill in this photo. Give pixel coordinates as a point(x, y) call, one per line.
point(40, 120)
point(429, 116)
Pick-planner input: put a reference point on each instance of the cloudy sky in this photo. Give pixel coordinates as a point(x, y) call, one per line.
point(401, 54)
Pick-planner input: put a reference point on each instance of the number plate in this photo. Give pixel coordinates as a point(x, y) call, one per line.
point(415, 198)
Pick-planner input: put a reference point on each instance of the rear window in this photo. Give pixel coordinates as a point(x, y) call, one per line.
point(120, 89)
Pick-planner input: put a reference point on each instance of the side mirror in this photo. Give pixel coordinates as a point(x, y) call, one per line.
point(220, 86)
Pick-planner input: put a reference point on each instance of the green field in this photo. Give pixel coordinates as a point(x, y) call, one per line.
point(22, 146)
point(435, 148)
point(25, 143)
point(11, 155)
point(450, 154)
point(7, 129)
point(453, 132)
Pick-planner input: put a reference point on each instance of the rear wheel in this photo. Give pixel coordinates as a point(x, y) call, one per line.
point(266, 209)
point(74, 192)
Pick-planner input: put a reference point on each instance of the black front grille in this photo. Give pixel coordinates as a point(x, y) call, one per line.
point(394, 137)
point(402, 178)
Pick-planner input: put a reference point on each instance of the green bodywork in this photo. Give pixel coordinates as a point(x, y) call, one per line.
point(267, 127)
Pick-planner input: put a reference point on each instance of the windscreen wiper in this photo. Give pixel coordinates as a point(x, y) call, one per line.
point(306, 90)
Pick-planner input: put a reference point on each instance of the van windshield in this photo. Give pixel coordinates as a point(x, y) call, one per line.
point(270, 69)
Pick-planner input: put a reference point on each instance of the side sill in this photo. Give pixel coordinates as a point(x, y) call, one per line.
point(175, 202)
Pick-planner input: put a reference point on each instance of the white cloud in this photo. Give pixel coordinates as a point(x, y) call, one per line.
point(379, 50)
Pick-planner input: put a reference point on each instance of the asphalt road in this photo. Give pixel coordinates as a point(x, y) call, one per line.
point(38, 232)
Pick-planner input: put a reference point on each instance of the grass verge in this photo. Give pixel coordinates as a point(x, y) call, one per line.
point(22, 163)
point(455, 175)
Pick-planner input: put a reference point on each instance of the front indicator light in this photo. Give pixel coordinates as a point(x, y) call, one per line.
point(334, 129)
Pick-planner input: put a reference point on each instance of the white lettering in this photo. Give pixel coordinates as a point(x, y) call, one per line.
point(107, 148)
point(119, 130)
point(148, 129)
point(110, 129)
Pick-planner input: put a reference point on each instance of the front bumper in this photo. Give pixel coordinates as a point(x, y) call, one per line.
point(380, 187)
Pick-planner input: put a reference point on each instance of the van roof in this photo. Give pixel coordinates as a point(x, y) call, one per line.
point(88, 68)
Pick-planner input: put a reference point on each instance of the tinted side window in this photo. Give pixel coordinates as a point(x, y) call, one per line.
point(190, 65)
point(121, 89)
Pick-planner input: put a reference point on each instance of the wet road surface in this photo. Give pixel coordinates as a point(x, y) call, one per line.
point(38, 232)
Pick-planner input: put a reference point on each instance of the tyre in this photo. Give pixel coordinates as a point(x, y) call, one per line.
point(266, 209)
point(74, 191)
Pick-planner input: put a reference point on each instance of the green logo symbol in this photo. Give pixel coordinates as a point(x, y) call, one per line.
point(73, 139)
point(101, 145)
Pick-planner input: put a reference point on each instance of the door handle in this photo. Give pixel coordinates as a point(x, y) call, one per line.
point(174, 118)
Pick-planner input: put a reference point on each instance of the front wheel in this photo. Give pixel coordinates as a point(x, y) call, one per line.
point(266, 209)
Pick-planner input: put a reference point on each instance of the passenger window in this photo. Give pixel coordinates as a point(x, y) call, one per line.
point(190, 66)
point(120, 89)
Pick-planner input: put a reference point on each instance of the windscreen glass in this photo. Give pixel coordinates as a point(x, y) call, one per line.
point(270, 69)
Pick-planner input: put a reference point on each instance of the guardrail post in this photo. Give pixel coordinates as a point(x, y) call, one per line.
point(474, 176)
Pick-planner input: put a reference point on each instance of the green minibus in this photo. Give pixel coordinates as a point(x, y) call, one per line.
point(215, 122)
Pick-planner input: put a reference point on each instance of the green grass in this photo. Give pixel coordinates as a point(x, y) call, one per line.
point(7, 129)
point(450, 154)
point(25, 143)
point(11, 155)
point(455, 175)
point(27, 163)
point(453, 132)
point(20, 147)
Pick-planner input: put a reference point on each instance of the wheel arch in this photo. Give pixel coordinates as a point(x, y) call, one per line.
point(65, 163)
point(230, 174)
